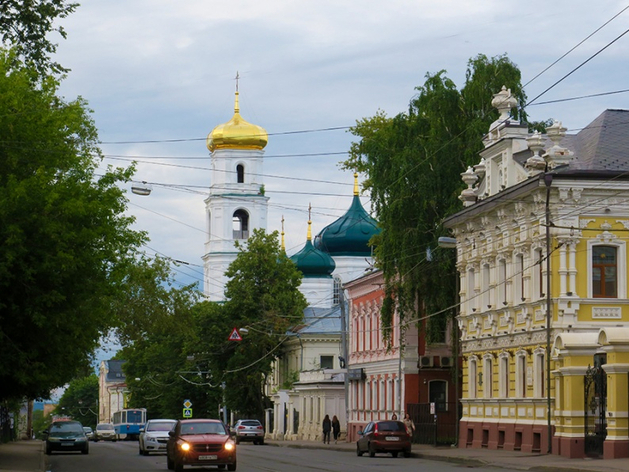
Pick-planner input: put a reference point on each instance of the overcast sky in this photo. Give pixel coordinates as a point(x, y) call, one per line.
point(159, 76)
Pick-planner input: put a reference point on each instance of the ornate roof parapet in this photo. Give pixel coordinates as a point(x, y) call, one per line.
point(557, 155)
point(468, 196)
point(503, 101)
point(536, 162)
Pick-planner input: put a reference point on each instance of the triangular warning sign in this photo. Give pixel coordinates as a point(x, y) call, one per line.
point(235, 336)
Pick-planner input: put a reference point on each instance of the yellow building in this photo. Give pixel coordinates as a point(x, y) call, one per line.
point(517, 272)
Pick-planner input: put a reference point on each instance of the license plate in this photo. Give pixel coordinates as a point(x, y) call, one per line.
point(67, 444)
point(211, 457)
point(392, 438)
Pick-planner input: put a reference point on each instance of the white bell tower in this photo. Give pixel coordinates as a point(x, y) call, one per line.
point(236, 204)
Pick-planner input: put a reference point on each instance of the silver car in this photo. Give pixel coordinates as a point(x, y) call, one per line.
point(154, 436)
point(249, 430)
point(106, 432)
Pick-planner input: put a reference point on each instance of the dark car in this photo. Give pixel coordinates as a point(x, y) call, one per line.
point(66, 436)
point(89, 432)
point(249, 430)
point(384, 436)
point(200, 442)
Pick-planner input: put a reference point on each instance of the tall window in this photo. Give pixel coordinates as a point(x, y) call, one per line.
point(240, 173)
point(485, 286)
point(438, 394)
point(539, 371)
point(488, 377)
point(241, 224)
point(502, 282)
point(471, 285)
point(503, 383)
point(539, 260)
point(336, 296)
point(519, 278)
point(604, 272)
point(520, 375)
point(472, 380)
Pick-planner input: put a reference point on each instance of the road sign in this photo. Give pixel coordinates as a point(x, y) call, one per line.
point(235, 336)
point(187, 403)
point(187, 412)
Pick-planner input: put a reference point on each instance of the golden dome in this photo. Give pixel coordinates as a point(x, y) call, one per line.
point(237, 134)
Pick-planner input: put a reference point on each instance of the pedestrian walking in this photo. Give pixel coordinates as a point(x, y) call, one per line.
point(408, 422)
point(327, 427)
point(336, 428)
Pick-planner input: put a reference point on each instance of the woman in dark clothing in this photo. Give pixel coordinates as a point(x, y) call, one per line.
point(336, 428)
point(327, 427)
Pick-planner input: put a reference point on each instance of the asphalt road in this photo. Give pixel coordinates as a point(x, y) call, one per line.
point(122, 456)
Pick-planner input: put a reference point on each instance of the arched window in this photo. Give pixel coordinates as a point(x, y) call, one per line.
point(539, 371)
point(503, 372)
point(488, 381)
point(240, 225)
point(240, 173)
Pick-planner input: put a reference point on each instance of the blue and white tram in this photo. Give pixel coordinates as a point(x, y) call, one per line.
point(128, 422)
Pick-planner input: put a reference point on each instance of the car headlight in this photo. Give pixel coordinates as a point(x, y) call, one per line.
point(229, 446)
point(185, 446)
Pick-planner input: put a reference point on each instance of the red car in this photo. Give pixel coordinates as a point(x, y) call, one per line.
point(384, 436)
point(200, 442)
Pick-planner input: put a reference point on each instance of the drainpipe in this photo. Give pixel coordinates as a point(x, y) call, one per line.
point(548, 179)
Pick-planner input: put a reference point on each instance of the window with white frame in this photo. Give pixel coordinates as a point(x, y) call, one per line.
point(539, 372)
point(471, 285)
point(502, 282)
point(472, 377)
point(485, 271)
point(503, 372)
point(520, 374)
point(518, 282)
point(488, 367)
point(604, 272)
point(539, 273)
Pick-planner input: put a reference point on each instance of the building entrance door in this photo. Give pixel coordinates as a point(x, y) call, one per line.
point(595, 395)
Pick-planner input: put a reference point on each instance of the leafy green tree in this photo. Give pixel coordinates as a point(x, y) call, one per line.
point(263, 296)
point(25, 24)
point(155, 326)
point(413, 163)
point(65, 243)
point(80, 401)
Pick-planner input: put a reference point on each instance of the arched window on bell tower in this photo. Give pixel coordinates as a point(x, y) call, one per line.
point(240, 224)
point(240, 173)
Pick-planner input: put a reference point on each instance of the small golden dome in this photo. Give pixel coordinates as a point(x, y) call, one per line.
point(237, 134)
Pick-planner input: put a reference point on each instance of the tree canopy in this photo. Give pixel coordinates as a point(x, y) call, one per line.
point(65, 243)
point(413, 163)
point(80, 401)
point(24, 26)
point(262, 296)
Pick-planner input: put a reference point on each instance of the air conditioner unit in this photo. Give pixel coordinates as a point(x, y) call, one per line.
point(425, 361)
point(446, 361)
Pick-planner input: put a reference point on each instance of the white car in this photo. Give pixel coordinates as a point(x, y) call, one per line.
point(106, 432)
point(154, 436)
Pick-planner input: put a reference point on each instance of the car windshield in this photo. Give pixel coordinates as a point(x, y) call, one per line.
point(66, 428)
point(390, 426)
point(104, 427)
point(160, 426)
point(202, 428)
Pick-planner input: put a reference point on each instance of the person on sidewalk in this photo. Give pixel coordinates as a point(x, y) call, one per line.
point(394, 417)
point(327, 427)
point(336, 428)
point(408, 422)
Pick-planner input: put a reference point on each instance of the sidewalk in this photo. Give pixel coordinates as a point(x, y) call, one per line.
point(22, 456)
point(485, 457)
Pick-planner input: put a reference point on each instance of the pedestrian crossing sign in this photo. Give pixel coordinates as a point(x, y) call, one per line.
point(235, 336)
point(187, 412)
